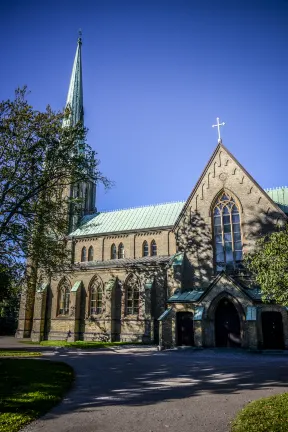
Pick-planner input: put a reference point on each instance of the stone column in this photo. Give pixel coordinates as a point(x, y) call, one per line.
point(25, 319)
point(39, 316)
point(75, 312)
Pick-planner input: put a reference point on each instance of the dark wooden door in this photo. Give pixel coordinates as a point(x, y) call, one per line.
point(272, 328)
point(227, 325)
point(185, 328)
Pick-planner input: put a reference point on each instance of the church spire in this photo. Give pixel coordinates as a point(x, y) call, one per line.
point(75, 93)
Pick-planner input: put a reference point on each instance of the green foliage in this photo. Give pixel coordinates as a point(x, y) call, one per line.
point(81, 344)
point(269, 265)
point(40, 162)
point(29, 388)
point(13, 353)
point(263, 415)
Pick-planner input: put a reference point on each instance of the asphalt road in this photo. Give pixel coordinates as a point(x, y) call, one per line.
point(147, 391)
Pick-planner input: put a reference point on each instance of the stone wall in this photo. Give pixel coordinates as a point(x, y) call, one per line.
point(133, 244)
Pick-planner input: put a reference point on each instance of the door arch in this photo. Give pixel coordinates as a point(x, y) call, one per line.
point(272, 330)
point(185, 328)
point(227, 325)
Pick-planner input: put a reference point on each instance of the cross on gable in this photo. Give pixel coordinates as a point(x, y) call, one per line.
point(218, 127)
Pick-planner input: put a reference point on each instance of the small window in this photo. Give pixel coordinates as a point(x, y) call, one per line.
point(64, 298)
point(121, 250)
point(83, 254)
point(153, 248)
point(90, 253)
point(145, 249)
point(113, 251)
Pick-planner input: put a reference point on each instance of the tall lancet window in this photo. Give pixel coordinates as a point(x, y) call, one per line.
point(227, 233)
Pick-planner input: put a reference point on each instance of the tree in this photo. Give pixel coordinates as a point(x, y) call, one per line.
point(39, 160)
point(269, 265)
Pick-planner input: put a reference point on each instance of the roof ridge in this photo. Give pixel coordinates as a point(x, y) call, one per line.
point(143, 206)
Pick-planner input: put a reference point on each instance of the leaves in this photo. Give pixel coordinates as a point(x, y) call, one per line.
point(269, 264)
point(42, 166)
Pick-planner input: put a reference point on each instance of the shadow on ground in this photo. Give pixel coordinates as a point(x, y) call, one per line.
point(133, 379)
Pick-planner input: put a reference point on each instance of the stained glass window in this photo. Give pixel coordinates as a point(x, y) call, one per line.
point(153, 248)
point(83, 254)
point(90, 253)
point(227, 233)
point(145, 248)
point(113, 251)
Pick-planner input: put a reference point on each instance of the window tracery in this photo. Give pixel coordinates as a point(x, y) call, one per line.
point(96, 296)
point(121, 250)
point(63, 298)
point(227, 233)
point(132, 297)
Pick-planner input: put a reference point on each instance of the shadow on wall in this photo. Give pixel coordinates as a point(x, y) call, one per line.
point(194, 237)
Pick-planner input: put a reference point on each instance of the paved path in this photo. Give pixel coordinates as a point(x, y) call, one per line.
point(141, 390)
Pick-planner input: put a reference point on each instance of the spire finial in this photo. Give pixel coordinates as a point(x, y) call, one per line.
point(218, 127)
point(80, 36)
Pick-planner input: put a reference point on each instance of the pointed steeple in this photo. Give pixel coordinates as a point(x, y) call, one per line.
point(75, 93)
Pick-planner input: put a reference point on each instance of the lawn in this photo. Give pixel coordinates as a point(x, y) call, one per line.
point(263, 415)
point(80, 344)
point(14, 353)
point(29, 388)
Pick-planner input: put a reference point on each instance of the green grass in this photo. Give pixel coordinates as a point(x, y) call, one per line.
point(263, 415)
point(29, 388)
point(80, 344)
point(9, 353)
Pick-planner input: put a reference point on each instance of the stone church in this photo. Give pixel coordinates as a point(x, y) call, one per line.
point(169, 274)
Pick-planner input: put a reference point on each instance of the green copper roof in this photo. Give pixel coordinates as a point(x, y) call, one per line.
point(150, 217)
point(280, 196)
point(76, 286)
point(139, 218)
point(185, 297)
point(75, 93)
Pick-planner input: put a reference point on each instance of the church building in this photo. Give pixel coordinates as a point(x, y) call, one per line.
point(170, 274)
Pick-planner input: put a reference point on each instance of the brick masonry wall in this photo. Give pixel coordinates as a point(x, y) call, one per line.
point(133, 244)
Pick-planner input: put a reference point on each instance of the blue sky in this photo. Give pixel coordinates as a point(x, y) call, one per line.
point(156, 75)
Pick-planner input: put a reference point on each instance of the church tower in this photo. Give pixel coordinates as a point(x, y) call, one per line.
point(86, 191)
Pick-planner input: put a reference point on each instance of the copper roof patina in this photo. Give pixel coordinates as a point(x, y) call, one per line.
point(280, 196)
point(138, 218)
point(150, 217)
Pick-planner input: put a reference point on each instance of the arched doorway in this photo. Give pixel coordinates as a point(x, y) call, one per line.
point(185, 328)
point(272, 329)
point(227, 325)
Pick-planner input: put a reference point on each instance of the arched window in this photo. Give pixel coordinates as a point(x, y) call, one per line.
point(153, 248)
point(63, 298)
point(121, 250)
point(96, 295)
point(113, 251)
point(227, 233)
point(132, 297)
point(90, 253)
point(145, 249)
point(83, 254)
